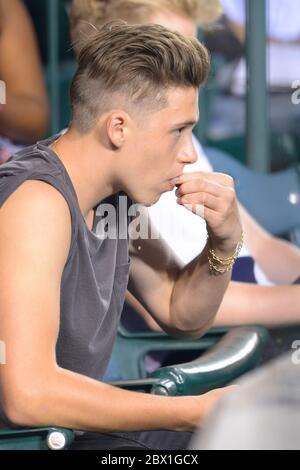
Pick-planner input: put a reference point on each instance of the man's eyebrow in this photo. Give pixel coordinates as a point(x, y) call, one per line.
point(186, 123)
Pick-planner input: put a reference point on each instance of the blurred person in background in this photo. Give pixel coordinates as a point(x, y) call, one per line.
point(228, 114)
point(24, 116)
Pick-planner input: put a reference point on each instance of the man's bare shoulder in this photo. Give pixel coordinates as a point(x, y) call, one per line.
point(36, 219)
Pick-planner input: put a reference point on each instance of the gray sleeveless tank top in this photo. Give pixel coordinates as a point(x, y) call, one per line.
point(95, 276)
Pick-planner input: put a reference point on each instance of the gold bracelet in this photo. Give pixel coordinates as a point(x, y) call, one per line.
point(219, 265)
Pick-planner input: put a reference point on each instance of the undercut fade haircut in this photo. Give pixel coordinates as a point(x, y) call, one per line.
point(132, 66)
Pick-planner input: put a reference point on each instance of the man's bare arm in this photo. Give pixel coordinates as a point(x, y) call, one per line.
point(35, 234)
point(279, 259)
point(249, 303)
point(184, 300)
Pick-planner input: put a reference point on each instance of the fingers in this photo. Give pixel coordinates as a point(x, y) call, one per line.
point(208, 194)
point(202, 199)
point(212, 196)
point(203, 186)
point(221, 178)
point(197, 209)
point(213, 217)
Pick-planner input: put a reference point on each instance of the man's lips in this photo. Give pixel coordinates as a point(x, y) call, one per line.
point(175, 180)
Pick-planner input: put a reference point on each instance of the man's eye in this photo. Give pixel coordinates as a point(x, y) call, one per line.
point(179, 131)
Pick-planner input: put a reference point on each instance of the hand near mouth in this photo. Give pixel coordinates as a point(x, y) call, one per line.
point(212, 196)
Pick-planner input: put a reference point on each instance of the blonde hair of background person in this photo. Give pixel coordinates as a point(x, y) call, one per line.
point(97, 12)
point(280, 260)
point(24, 117)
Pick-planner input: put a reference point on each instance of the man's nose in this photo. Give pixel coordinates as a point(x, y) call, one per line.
point(188, 155)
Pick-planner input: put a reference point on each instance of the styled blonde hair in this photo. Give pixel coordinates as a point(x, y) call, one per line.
point(98, 12)
point(133, 65)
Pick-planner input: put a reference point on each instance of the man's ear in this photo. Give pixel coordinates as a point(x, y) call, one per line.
point(117, 127)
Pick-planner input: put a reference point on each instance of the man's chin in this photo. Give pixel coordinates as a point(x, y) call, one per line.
point(149, 203)
point(145, 203)
point(154, 200)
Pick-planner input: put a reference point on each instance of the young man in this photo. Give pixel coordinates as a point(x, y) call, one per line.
point(134, 100)
point(276, 262)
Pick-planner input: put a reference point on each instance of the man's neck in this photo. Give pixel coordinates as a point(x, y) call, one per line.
point(88, 166)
